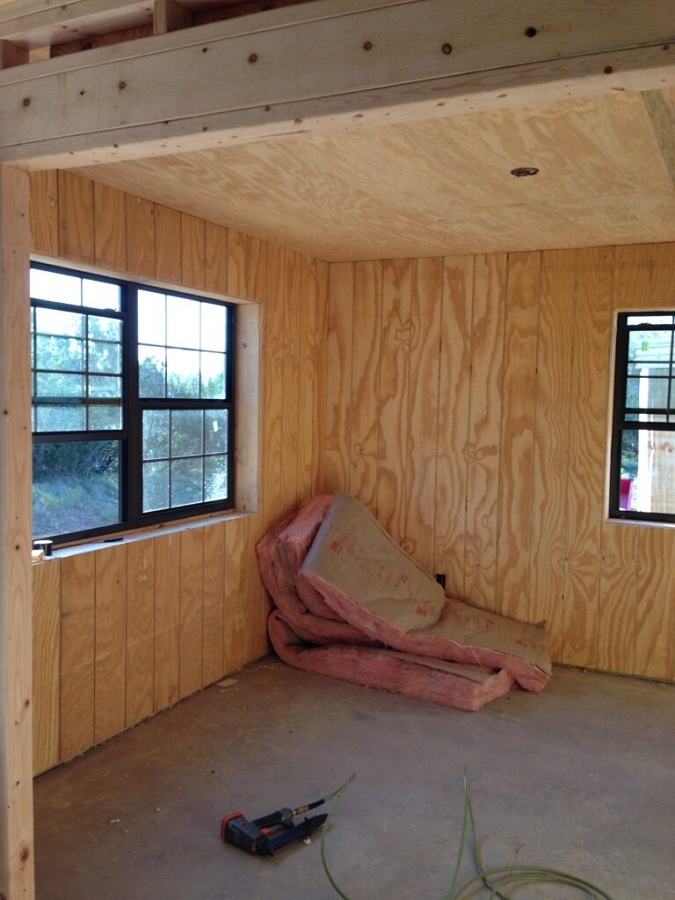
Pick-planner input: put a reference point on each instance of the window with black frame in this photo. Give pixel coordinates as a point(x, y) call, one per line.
point(642, 479)
point(132, 413)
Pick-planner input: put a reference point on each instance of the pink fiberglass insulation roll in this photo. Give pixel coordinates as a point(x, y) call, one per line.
point(310, 627)
point(376, 667)
point(293, 543)
point(376, 587)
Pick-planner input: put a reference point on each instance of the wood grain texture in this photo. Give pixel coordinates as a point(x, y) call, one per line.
point(237, 574)
point(484, 440)
point(393, 422)
point(110, 228)
point(191, 610)
point(291, 381)
point(140, 631)
point(215, 258)
point(78, 653)
point(334, 466)
point(140, 216)
point(272, 391)
point(619, 564)
point(167, 621)
point(193, 251)
point(307, 379)
point(168, 253)
point(111, 634)
point(76, 218)
point(549, 484)
point(214, 603)
point(453, 422)
point(422, 415)
point(46, 664)
point(587, 434)
point(44, 224)
point(655, 613)
point(365, 376)
point(16, 740)
point(517, 438)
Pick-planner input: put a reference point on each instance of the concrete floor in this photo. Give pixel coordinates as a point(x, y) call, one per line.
point(580, 778)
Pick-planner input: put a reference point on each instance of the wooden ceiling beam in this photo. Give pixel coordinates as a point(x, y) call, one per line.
point(326, 65)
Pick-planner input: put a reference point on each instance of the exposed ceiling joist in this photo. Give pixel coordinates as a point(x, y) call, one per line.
point(333, 64)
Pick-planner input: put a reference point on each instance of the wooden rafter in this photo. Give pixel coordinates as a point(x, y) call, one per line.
point(321, 65)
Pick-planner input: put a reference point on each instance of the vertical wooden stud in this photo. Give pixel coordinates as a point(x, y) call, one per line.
point(16, 786)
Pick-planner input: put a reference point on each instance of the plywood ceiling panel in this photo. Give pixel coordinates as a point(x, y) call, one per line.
point(437, 187)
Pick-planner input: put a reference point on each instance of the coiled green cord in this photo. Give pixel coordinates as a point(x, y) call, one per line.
point(495, 880)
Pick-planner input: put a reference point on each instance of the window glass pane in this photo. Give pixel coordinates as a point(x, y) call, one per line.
point(647, 393)
point(213, 376)
point(104, 329)
point(58, 322)
point(186, 432)
point(156, 434)
point(61, 418)
point(182, 322)
point(187, 482)
point(105, 356)
point(61, 354)
point(645, 319)
point(155, 486)
point(650, 347)
point(101, 294)
point(76, 486)
point(215, 431)
point(215, 478)
point(59, 385)
point(183, 374)
point(55, 286)
point(214, 331)
point(105, 386)
point(648, 469)
point(105, 418)
point(151, 372)
point(151, 317)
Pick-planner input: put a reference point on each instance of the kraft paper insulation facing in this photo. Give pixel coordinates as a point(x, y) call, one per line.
point(353, 605)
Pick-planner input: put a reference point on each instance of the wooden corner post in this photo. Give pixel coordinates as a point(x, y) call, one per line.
point(16, 756)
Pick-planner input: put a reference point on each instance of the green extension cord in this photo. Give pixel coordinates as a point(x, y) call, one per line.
point(495, 880)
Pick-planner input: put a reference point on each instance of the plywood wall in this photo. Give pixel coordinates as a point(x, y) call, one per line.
point(123, 632)
point(467, 405)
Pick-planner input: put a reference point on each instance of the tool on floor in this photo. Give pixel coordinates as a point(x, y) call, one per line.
point(268, 834)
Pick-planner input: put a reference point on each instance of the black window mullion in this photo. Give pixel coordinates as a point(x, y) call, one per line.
point(132, 407)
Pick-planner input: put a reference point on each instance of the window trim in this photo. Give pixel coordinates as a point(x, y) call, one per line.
point(132, 519)
point(619, 423)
